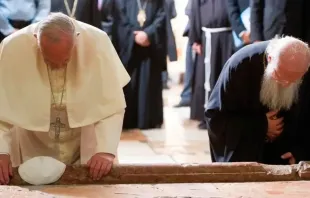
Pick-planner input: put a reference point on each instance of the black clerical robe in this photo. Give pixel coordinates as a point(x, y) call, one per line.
point(171, 45)
point(236, 119)
point(144, 64)
point(87, 10)
point(107, 10)
point(209, 14)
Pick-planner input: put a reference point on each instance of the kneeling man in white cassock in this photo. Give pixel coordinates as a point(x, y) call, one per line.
point(61, 96)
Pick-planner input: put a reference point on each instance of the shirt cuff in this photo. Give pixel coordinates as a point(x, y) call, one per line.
point(5, 141)
point(241, 33)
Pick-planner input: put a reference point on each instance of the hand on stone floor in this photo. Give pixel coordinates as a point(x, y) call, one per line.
point(6, 170)
point(289, 156)
point(100, 165)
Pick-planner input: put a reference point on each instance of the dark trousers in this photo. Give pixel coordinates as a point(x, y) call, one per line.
point(188, 76)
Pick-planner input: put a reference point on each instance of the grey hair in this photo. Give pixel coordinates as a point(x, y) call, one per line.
point(55, 23)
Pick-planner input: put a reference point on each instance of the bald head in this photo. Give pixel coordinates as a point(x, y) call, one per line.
point(288, 59)
point(56, 36)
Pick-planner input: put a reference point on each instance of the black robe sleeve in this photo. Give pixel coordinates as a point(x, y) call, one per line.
point(195, 32)
point(257, 14)
point(173, 10)
point(155, 29)
point(236, 132)
point(306, 21)
point(234, 16)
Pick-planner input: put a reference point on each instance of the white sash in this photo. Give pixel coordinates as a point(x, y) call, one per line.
point(208, 47)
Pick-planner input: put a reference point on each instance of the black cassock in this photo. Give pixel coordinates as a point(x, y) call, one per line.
point(144, 64)
point(236, 119)
point(171, 45)
point(87, 10)
point(209, 14)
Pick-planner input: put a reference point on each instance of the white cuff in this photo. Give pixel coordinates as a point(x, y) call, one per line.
point(241, 33)
point(108, 133)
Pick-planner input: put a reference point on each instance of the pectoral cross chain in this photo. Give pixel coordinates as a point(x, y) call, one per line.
point(57, 125)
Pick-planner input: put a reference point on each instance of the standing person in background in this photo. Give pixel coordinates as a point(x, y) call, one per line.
point(141, 44)
point(106, 8)
point(240, 24)
point(189, 67)
point(171, 13)
point(83, 10)
point(17, 14)
point(211, 38)
point(277, 17)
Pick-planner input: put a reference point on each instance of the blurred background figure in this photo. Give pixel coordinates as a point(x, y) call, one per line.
point(17, 14)
point(239, 12)
point(186, 93)
point(277, 17)
point(211, 39)
point(106, 8)
point(141, 43)
point(171, 13)
point(83, 10)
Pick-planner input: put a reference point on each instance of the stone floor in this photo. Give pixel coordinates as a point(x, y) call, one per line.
point(179, 141)
point(207, 190)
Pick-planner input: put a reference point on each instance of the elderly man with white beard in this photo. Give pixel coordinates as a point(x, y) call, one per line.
point(252, 110)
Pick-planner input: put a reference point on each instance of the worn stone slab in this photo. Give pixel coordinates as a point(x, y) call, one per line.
point(194, 190)
point(303, 169)
point(199, 173)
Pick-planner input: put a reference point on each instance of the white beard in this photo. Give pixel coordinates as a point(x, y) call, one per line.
point(276, 97)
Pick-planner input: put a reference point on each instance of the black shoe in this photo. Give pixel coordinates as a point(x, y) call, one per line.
point(202, 125)
point(165, 86)
point(182, 104)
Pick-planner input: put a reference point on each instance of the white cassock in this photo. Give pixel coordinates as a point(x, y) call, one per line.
point(92, 119)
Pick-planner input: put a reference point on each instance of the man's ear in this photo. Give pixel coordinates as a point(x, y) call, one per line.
point(269, 58)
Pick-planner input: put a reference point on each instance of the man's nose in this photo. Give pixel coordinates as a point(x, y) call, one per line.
point(284, 83)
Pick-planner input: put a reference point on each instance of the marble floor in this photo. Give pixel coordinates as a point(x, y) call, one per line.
point(179, 140)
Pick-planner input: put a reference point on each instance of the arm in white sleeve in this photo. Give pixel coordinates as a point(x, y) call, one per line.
point(5, 138)
point(108, 133)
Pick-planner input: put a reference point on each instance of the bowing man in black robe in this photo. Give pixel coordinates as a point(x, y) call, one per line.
point(87, 10)
point(142, 50)
point(252, 111)
point(211, 15)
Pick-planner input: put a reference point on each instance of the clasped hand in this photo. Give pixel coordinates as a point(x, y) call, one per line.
point(141, 38)
point(275, 125)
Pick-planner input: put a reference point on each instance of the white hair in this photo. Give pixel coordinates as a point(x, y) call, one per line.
point(54, 24)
